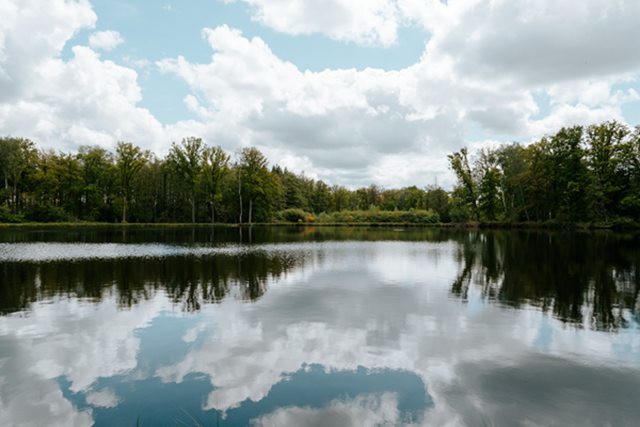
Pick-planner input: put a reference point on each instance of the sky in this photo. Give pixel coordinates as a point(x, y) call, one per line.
point(354, 92)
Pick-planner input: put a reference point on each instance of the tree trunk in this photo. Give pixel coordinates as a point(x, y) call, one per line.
point(213, 213)
point(250, 210)
point(124, 209)
point(240, 196)
point(14, 197)
point(193, 209)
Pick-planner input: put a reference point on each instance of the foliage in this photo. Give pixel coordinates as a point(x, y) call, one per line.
point(414, 216)
point(186, 162)
point(130, 160)
point(295, 215)
point(577, 175)
point(7, 217)
point(47, 213)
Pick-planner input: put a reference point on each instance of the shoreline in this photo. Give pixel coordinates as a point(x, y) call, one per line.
point(468, 225)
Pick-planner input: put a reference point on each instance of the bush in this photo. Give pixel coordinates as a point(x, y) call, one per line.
point(7, 217)
point(48, 213)
point(414, 216)
point(295, 215)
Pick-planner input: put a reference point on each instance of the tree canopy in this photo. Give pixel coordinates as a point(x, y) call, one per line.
point(578, 174)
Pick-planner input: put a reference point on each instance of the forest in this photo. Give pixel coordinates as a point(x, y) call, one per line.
point(581, 174)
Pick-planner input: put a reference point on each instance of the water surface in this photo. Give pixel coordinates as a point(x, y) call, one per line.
point(325, 326)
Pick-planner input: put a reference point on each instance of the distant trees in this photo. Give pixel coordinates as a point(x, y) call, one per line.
point(578, 174)
point(16, 155)
point(186, 161)
point(258, 187)
point(215, 166)
point(129, 161)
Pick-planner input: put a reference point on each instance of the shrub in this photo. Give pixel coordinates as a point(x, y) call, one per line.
point(295, 215)
point(48, 213)
point(7, 216)
point(376, 216)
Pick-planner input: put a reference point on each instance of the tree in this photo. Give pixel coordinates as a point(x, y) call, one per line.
point(569, 174)
point(215, 165)
point(489, 177)
point(99, 177)
point(16, 155)
point(256, 183)
point(185, 160)
point(468, 193)
point(629, 171)
point(512, 161)
point(437, 199)
point(604, 144)
point(129, 160)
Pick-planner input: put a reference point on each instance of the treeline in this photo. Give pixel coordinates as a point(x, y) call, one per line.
point(579, 174)
point(193, 183)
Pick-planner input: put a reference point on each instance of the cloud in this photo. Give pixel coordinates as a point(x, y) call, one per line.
point(29, 37)
point(366, 22)
point(105, 346)
point(348, 124)
point(367, 410)
point(105, 398)
point(538, 42)
point(80, 342)
point(298, 323)
point(475, 81)
point(461, 351)
point(105, 40)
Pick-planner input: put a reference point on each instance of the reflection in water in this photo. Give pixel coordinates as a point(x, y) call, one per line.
point(590, 279)
point(413, 327)
point(189, 281)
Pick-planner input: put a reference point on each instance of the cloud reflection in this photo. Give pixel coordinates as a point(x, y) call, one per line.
point(380, 306)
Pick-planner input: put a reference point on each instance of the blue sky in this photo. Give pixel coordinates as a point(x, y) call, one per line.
point(350, 91)
point(154, 30)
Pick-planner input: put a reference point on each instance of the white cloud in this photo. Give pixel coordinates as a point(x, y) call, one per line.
point(365, 411)
point(343, 123)
point(460, 351)
point(368, 22)
point(482, 63)
point(447, 345)
point(29, 37)
point(72, 339)
point(105, 398)
point(105, 40)
point(538, 42)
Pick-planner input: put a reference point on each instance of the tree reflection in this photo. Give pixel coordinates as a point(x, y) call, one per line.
point(591, 279)
point(189, 281)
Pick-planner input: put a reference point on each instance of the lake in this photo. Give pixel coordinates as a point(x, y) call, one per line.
point(318, 326)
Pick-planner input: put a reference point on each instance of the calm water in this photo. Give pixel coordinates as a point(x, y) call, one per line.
point(319, 327)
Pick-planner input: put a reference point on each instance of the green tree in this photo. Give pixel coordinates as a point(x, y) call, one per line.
point(604, 144)
point(258, 188)
point(438, 200)
point(16, 156)
point(488, 190)
point(512, 161)
point(467, 193)
point(629, 171)
point(129, 160)
point(185, 160)
point(569, 174)
point(215, 165)
point(99, 178)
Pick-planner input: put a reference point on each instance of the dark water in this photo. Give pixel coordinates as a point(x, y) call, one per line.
point(319, 327)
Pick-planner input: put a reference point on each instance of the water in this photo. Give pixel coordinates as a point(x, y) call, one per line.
point(318, 327)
